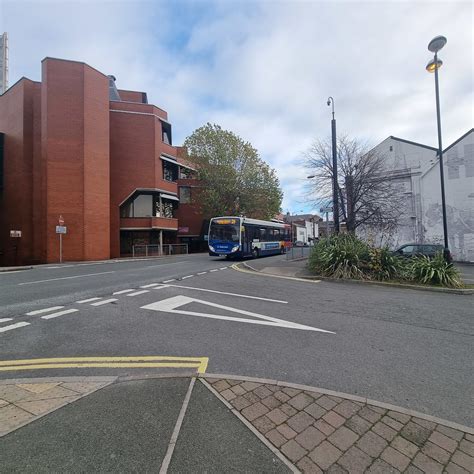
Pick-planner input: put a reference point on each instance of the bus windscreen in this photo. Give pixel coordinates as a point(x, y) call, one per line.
point(225, 230)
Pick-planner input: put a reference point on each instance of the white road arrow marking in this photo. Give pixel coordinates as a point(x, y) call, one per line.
point(170, 305)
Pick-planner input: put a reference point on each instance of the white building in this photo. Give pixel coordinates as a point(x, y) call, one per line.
point(414, 168)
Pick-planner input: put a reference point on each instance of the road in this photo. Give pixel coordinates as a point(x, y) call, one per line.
point(405, 347)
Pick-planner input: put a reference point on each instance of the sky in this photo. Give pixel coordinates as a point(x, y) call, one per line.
point(264, 69)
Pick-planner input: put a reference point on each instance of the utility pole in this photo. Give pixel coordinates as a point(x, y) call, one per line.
point(335, 200)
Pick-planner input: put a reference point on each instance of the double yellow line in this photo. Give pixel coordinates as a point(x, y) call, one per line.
point(199, 363)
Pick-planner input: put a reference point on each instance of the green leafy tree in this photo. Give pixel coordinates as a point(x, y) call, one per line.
point(234, 180)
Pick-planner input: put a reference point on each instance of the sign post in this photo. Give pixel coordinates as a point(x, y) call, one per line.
point(61, 229)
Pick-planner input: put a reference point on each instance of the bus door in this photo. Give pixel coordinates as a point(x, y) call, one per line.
point(245, 240)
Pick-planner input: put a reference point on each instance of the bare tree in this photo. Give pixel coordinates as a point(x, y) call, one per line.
point(368, 196)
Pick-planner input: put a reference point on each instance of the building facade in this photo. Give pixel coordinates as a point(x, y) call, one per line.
point(414, 170)
point(75, 146)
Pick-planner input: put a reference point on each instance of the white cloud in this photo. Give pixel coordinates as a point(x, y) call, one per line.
point(265, 69)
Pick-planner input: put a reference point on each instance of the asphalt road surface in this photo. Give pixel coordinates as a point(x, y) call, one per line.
point(406, 347)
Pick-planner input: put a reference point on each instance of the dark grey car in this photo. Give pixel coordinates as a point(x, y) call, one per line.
point(429, 250)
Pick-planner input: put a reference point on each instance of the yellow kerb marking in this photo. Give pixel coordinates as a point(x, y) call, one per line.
point(200, 363)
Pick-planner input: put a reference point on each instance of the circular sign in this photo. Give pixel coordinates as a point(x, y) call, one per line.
point(61, 220)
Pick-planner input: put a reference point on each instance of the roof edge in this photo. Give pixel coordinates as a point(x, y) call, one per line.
point(412, 143)
point(458, 140)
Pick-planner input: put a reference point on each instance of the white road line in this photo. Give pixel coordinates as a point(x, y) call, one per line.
point(222, 268)
point(199, 273)
point(171, 305)
point(121, 292)
point(4, 320)
point(60, 313)
point(226, 293)
point(150, 285)
point(59, 266)
point(100, 303)
point(64, 278)
point(167, 281)
point(136, 293)
point(14, 326)
point(189, 276)
point(45, 310)
point(89, 300)
point(215, 270)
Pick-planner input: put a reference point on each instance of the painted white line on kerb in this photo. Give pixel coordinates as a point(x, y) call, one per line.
point(189, 276)
point(45, 310)
point(60, 313)
point(14, 326)
point(88, 300)
point(150, 285)
point(215, 270)
point(167, 281)
point(226, 293)
point(121, 292)
point(64, 278)
point(136, 293)
point(100, 303)
point(199, 273)
point(4, 320)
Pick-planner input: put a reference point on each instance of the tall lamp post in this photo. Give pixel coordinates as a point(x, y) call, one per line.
point(335, 200)
point(435, 45)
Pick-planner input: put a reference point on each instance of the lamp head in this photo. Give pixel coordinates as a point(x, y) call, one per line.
point(437, 43)
point(329, 102)
point(433, 65)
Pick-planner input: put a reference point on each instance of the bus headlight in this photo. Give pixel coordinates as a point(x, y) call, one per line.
point(235, 248)
point(211, 248)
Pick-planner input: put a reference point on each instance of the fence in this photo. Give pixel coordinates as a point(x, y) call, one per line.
point(154, 250)
point(298, 252)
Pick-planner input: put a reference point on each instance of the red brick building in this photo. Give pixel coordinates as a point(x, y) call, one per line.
point(74, 146)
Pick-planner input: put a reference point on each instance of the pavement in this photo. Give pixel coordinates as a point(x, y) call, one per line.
point(123, 324)
point(215, 424)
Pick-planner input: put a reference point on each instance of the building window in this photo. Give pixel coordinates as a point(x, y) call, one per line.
point(166, 133)
point(139, 206)
point(166, 209)
point(170, 171)
point(185, 194)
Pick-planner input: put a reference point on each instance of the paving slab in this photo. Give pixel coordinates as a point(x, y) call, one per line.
point(125, 427)
point(213, 439)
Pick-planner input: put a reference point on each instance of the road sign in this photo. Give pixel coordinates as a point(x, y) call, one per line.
point(61, 220)
point(60, 229)
point(15, 233)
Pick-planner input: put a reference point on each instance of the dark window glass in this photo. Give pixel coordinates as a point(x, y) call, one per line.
point(170, 171)
point(166, 133)
point(2, 135)
point(185, 194)
point(225, 232)
point(408, 249)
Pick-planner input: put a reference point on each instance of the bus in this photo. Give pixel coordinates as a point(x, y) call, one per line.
point(238, 237)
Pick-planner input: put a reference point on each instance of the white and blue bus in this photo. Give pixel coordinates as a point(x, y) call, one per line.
point(238, 237)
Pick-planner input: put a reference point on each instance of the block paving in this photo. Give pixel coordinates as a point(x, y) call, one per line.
point(324, 433)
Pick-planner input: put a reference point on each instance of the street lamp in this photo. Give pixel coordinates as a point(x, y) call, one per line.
point(335, 206)
point(435, 45)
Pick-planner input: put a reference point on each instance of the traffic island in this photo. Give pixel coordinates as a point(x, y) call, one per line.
point(218, 423)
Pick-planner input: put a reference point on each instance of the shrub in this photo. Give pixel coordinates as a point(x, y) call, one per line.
point(383, 265)
point(435, 271)
point(340, 256)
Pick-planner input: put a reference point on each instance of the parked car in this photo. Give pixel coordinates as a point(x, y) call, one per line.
point(429, 250)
